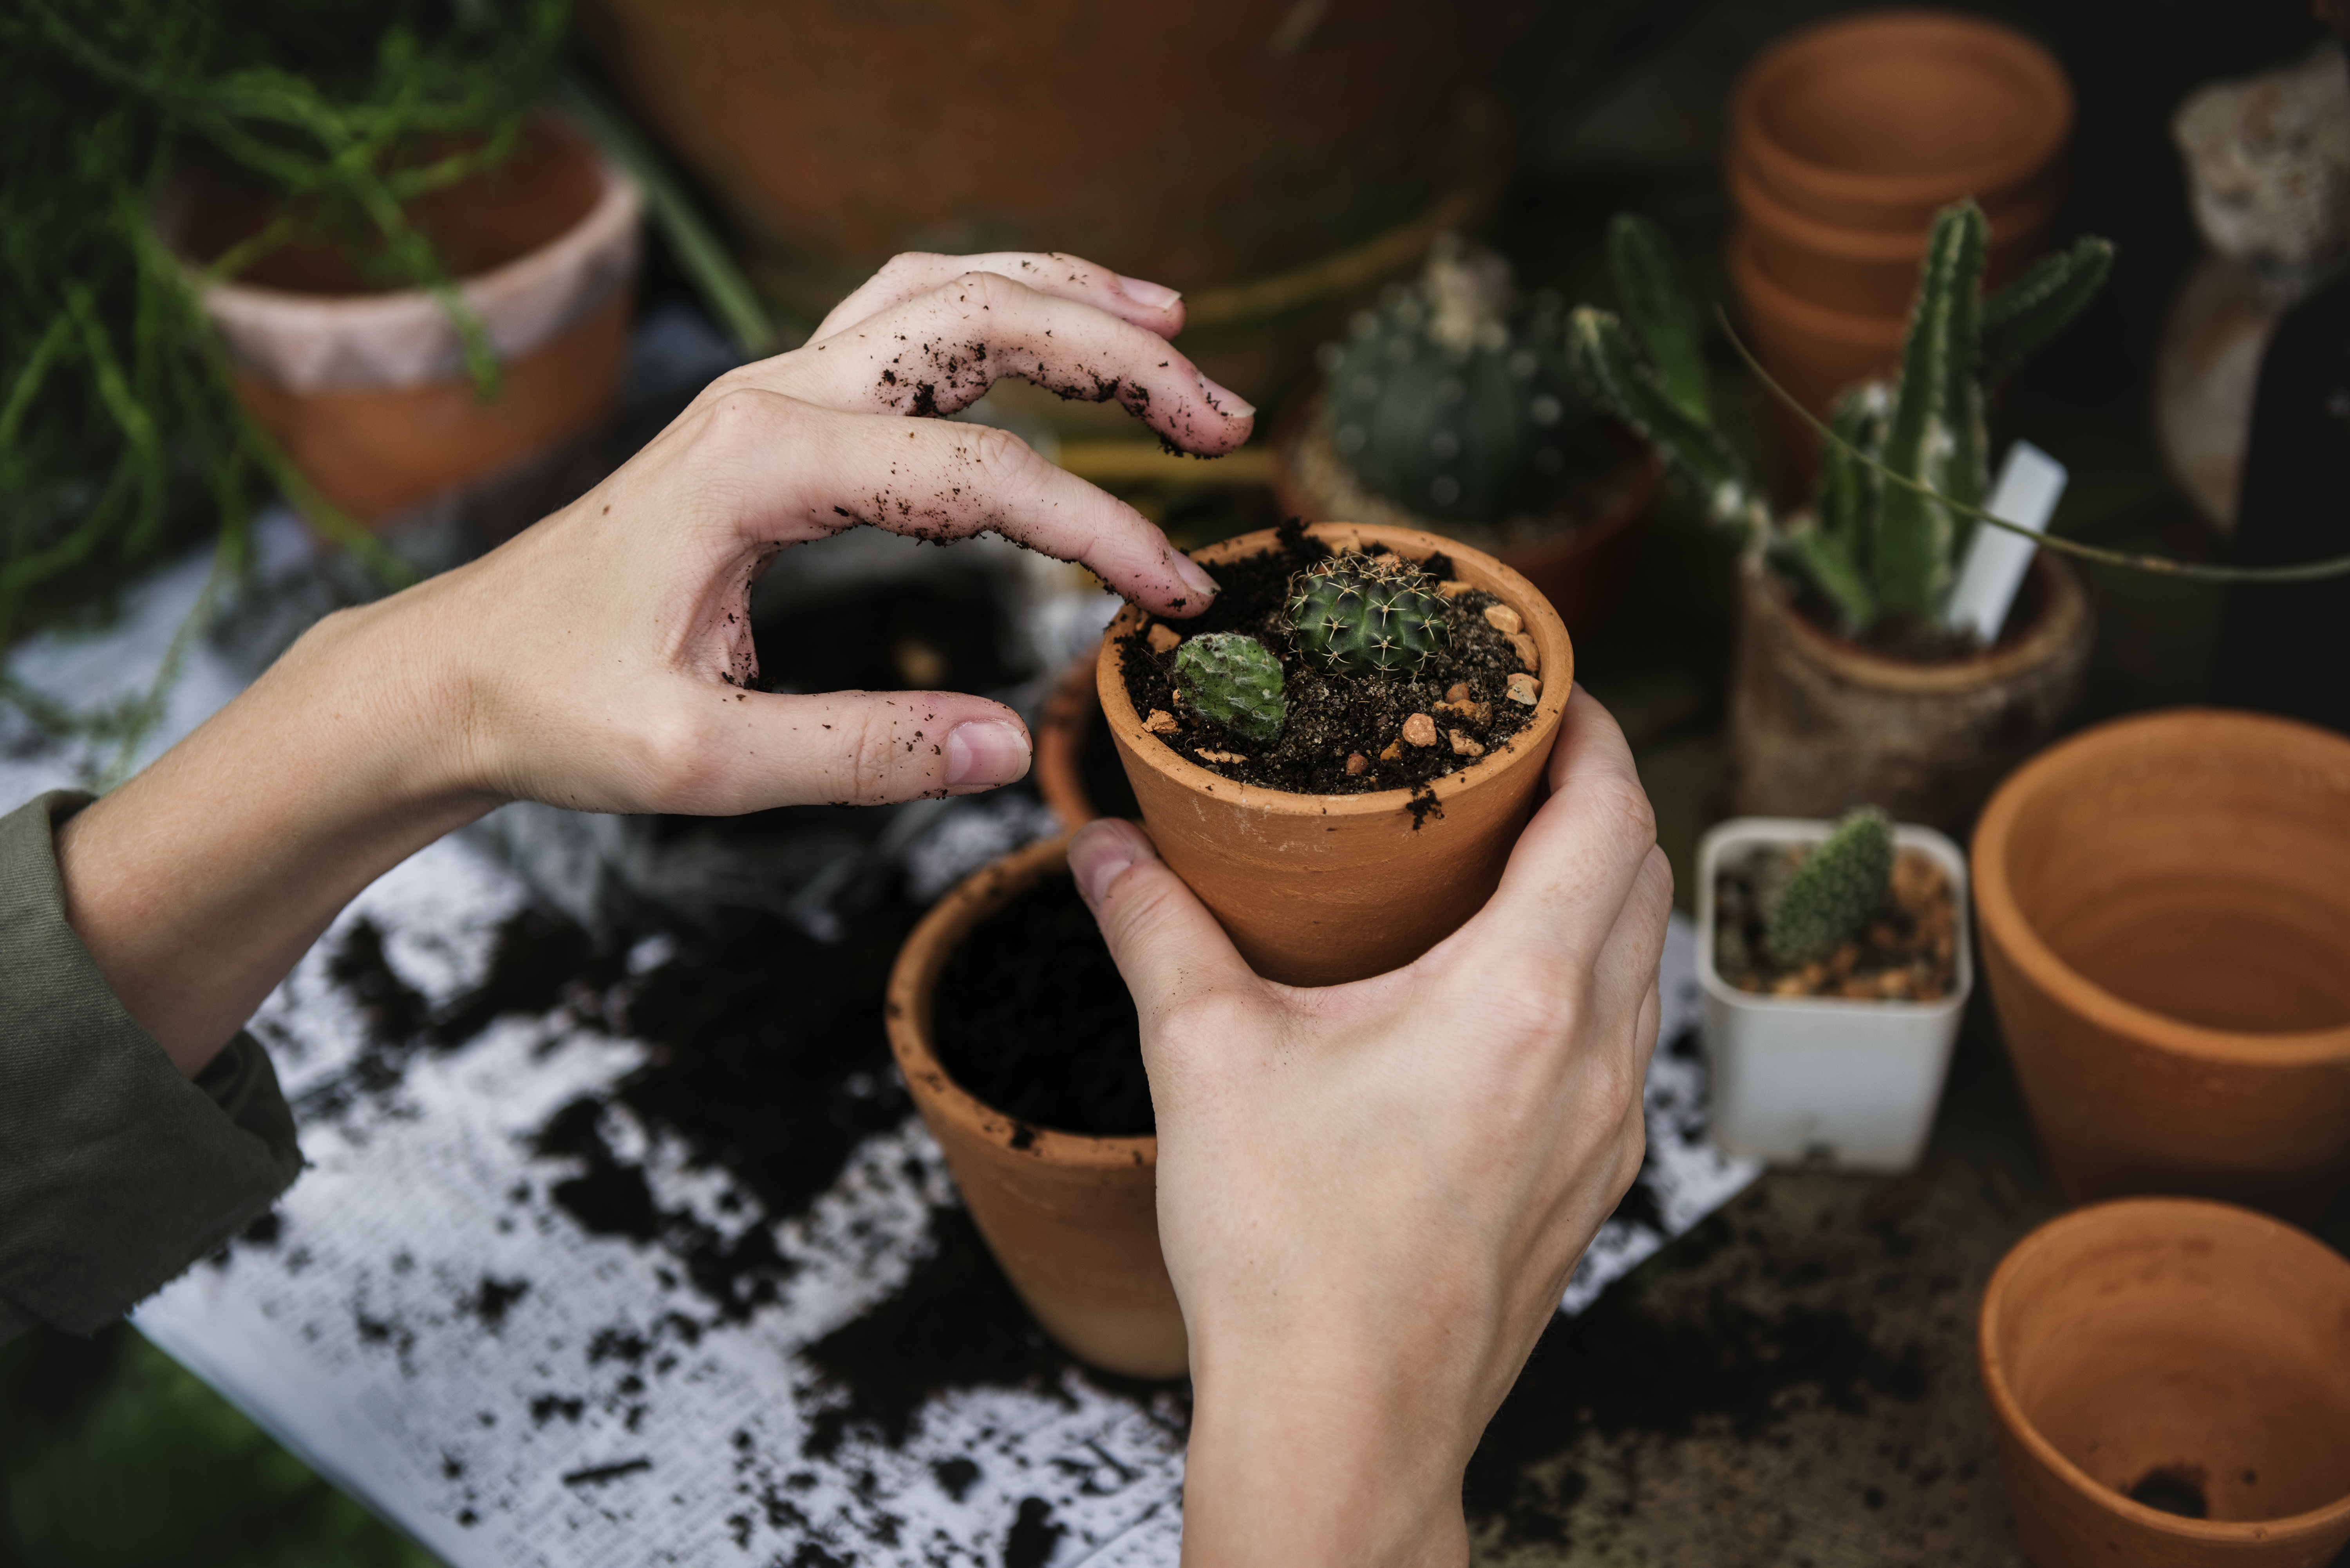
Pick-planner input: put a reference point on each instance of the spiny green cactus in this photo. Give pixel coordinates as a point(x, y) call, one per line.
point(1450, 401)
point(1835, 893)
point(1234, 681)
point(1366, 614)
point(1875, 551)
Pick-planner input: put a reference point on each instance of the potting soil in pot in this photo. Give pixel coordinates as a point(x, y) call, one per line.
point(1908, 953)
point(1033, 1018)
point(1345, 734)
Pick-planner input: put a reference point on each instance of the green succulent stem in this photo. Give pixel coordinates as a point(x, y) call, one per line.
point(1835, 893)
point(1365, 615)
point(1233, 681)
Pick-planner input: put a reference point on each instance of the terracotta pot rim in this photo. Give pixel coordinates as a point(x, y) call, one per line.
point(1803, 49)
point(1766, 295)
point(1295, 425)
point(1550, 638)
point(906, 1012)
point(2001, 918)
point(2201, 1212)
point(2010, 224)
point(2062, 610)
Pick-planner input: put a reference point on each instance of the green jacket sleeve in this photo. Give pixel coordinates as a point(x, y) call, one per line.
point(116, 1172)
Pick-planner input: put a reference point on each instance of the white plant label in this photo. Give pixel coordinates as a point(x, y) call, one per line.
point(2030, 485)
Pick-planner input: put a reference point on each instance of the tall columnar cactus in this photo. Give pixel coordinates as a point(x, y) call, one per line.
point(1875, 550)
point(1366, 614)
point(1233, 681)
point(1835, 893)
point(1450, 400)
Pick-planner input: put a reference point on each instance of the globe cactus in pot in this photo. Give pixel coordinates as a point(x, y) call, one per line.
point(1850, 683)
point(1452, 408)
point(1385, 839)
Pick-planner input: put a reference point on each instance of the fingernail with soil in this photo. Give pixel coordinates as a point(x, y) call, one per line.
point(983, 755)
point(1226, 401)
point(1194, 577)
point(1100, 852)
point(1142, 291)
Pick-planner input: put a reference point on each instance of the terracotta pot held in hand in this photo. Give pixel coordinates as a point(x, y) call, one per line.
point(1319, 889)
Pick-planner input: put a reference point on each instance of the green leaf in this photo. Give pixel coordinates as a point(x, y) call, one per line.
point(1649, 282)
point(2038, 304)
point(1605, 358)
point(1849, 493)
point(1826, 561)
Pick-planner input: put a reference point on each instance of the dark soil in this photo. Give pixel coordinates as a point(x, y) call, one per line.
point(1334, 717)
point(1034, 1019)
point(1908, 953)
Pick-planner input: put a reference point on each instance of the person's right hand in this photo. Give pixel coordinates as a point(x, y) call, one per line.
point(1371, 1196)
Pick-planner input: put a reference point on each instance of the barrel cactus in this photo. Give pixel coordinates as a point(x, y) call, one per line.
point(1232, 680)
point(1835, 893)
point(1873, 551)
point(1451, 401)
point(1363, 614)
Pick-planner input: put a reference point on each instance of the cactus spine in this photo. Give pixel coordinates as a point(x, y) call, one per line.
point(1233, 681)
point(1366, 614)
point(1451, 402)
point(1835, 893)
point(1875, 551)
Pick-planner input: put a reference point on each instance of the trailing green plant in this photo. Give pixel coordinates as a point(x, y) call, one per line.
point(119, 435)
point(1904, 469)
point(1835, 893)
point(1234, 681)
point(1362, 613)
point(1452, 399)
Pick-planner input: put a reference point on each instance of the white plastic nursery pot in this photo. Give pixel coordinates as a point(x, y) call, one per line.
point(1813, 1080)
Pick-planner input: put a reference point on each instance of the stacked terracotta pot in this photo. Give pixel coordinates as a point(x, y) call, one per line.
point(1846, 139)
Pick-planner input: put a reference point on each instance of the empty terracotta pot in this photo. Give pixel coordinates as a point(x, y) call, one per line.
point(1812, 351)
point(2171, 1381)
point(1819, 725)
point(366, 389)
point(1873, 272)
point(2165, 909)
point(1875, 121)
point(1074, 1220)
point(1319, 889)
point(1578, 562)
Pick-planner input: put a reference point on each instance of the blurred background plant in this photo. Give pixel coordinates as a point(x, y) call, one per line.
point(120, 437)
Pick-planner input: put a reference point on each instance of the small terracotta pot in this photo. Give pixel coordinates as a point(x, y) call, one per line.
point(1074, 1220)
point(1876, 121)
point(1317, 889)
point(2179, 1350)
point(1873, 272)
point(366, 389)
point(1579, 564)
point(2164, 908)
point(1819, 725)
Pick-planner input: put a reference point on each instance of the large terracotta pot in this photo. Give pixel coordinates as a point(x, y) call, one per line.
point(2179, 1353)
point(2165, 909)
point(1876, 121)
point(1262, 160)
point(366, 389)
point(1319, 889)
point(1074, 1220)
point(1819, 725)
point(1579, 563)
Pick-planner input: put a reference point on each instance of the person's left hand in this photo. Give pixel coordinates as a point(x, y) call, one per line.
point(602, 660)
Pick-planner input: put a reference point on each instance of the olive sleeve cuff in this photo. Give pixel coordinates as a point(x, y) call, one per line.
point(116, 1172)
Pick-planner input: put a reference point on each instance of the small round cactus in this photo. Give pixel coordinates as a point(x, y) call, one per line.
point(1834, 892)
point(1366, 614)
point(1450, 402)
point(1235, 682)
